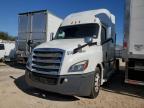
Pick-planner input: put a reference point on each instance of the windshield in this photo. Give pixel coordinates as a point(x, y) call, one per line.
point(78, 31)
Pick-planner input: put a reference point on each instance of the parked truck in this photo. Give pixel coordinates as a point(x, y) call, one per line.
point(34, 28)
point(79, 59)
point(134, 41)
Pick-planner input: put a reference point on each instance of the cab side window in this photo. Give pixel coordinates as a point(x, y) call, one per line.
point(103, 34)
point(2, 47)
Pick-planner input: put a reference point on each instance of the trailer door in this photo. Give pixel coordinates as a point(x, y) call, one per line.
point(136, 39)
point(23, 32)
point(39, 26)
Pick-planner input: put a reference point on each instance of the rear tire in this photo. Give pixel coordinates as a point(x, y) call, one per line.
point(96, 84)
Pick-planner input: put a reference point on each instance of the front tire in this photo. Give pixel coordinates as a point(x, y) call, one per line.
point(96, 84)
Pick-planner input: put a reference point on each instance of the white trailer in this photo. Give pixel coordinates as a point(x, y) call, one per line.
point(2, 51)
point(7, 51)
point(134, 41)
point(79, 59)
point(34, 28)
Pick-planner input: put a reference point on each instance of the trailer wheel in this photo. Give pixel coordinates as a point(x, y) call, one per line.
point(117, 64)
point(96, 84)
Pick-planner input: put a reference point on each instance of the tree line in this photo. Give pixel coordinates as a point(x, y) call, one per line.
point(6, 36)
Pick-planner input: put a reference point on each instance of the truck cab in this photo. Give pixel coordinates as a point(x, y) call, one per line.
point(79, 59)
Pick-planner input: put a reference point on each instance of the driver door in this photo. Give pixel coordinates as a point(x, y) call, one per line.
point(105, 48)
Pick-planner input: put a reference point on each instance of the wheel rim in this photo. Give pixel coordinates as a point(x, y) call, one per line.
point(97, 82)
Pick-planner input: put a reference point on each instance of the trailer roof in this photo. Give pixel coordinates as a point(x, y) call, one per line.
point(38, 11)
point(30, 12)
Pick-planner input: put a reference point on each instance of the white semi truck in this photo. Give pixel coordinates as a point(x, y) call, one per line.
point(34, 28)
point(79, 59)
point(134, 41)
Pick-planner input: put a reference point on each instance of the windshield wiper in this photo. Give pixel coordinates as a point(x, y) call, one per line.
point(82, 46)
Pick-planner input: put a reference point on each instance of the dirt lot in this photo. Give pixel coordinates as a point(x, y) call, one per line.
point(15, 93)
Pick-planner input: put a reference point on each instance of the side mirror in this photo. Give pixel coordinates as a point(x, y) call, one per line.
point(51, 36)
point(88, 40)
point(30, 42)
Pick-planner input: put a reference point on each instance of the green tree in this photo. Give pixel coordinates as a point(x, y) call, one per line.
point(6, 36)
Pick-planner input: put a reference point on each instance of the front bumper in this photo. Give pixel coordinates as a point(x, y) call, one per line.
point(67, 84)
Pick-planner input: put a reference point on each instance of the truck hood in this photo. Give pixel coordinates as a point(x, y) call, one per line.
point(65, 44)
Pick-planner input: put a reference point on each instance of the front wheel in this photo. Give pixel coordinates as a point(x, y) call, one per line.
point(96, 84)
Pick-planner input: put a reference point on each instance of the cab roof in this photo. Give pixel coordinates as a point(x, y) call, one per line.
point(91, 16)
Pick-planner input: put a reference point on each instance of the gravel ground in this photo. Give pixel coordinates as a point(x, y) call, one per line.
point(15, 93)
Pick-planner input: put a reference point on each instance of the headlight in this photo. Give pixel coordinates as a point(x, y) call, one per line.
point(29, 62)
point(78, 67)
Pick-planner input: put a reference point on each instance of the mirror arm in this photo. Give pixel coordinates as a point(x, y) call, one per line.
point(51, 36)
point(110, 39)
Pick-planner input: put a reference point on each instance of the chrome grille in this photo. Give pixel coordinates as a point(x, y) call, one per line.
point(47, 61)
